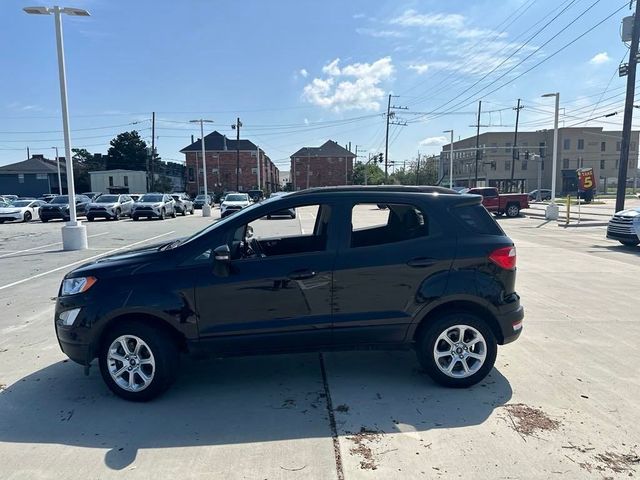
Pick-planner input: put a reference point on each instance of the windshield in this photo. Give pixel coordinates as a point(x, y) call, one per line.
point(201, 197)
point(61, 199)
point(107, 199)
point(236, 197)
point(151, 198)
point(21, 203)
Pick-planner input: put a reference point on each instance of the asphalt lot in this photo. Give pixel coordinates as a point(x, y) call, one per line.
point(561, 402)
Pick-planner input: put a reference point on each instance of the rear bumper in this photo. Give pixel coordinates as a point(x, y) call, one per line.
point(510, 323)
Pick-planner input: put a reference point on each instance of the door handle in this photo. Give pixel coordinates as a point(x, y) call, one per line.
point(301, 275)
point(421, 262)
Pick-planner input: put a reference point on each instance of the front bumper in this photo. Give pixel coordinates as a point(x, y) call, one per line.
point(145, 213)
point(10, 217)
point(75, 339)
point(52, 214)
point(100, 214)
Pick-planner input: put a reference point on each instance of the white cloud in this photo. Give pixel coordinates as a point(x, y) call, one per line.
point(358, 16)
point(419, 68)
point(411, 18)
point(372, 32)
point(435, 141)
point(354, 86)
point(602, 57)
point(304, 72)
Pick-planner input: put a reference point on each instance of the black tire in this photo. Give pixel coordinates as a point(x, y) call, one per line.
point(135, 218)
point(27, 217)
point(629, 243)
point(184, 212)
point(90, 219)
point(43, 220)
point(117, 215)
point(498, 214)
point(268, 217)
point(164, 352)
point(513, 210)
point(192, 211)
point(293, 216)
point(174, 214)
point(1, 221)
point(162, 214)
point(427, 342)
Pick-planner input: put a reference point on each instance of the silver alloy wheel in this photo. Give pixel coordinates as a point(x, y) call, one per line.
point(513, 211)
point(460, 351)
point(131, 363)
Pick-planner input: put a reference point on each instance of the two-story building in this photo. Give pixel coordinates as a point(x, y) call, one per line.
point(256, 169)
point(323, 166)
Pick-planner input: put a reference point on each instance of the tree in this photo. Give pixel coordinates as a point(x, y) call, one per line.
point(83, 163)
point(375, 175)
point(128, 151)
point(163, 184)
point(422, 173)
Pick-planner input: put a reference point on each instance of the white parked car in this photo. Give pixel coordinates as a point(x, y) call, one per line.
point(624, 226)
point(21, 211)
point(234, 202)
point(154, 205)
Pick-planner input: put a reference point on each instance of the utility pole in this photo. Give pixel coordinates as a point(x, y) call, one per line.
point(153, 146)
point(390, 115)
point(28, 154)
point(515, 152)
point(386, 142)
point(478, 142)
point(236, 127)
point(628, 112)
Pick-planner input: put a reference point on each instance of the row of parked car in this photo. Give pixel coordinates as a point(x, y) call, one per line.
point(92, 206)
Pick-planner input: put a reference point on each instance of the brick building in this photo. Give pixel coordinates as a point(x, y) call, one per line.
point(256, 168)
point(324, 166)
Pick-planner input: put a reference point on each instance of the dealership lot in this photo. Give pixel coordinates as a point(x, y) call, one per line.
point(561, 401)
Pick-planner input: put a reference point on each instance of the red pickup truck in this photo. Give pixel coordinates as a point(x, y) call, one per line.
point(510, 203)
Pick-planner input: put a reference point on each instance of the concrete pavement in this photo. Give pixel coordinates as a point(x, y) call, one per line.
point(561, 401)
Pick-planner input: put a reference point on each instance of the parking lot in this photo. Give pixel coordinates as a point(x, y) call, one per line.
point(561, 402)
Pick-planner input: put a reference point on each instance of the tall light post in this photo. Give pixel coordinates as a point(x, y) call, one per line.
point(206, 208)
point(450, 159)
point(59, 177)
point(552, 210)
point(74, 234)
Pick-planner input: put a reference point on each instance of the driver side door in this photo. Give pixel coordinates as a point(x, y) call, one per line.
point(277, 294)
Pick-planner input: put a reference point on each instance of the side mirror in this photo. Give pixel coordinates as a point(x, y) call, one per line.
point(221, 260)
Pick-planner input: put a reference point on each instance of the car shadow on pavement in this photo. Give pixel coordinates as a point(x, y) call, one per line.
point(240, 400)
point(619, 248)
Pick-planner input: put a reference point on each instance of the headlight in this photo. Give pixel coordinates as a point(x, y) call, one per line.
point(73, 286)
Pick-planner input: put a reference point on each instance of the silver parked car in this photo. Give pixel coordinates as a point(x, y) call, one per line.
point(624, 226)
point(154, 205)
point(110, 206)
point(183, 203)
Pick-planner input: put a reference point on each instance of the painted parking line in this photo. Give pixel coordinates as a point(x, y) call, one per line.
point(14, 252)
point(84, 260)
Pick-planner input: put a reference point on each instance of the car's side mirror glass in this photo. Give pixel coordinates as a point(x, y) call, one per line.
point(221, 260)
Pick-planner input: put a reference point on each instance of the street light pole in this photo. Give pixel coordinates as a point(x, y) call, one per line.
point(553, 210)
point(74, 234)
point(450, 159)
point(206, 208)
point(59, 177)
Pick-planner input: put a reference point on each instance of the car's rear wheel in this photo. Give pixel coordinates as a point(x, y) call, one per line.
point(174, 214)
point(184, 212)
point(44, 220)
point(457, 350)
point(27, 216)
point(629, 243)
point(138, 362)
point(90, 219)
point(513, 210)
point(135, 218)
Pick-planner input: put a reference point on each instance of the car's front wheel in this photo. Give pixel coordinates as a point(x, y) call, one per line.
point(27, 217)
point(457, 350)
point(138, 362)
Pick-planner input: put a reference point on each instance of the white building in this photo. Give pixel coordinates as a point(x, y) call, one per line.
point(119, 181)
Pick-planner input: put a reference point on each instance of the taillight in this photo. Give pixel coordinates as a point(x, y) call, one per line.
point(504, 257)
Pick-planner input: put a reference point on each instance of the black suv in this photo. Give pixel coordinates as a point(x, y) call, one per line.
point(433, 272)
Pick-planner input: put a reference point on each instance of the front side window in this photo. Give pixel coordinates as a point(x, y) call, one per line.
point(371, 225)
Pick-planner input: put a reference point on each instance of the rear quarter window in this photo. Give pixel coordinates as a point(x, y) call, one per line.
point(476, 219)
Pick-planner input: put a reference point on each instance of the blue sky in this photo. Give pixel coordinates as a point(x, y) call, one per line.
point(300, 72)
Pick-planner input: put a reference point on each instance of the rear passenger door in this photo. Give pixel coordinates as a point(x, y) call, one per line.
point(391, 263)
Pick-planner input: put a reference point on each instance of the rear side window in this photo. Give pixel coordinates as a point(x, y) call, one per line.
point(477, 219)
point(373, 224)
